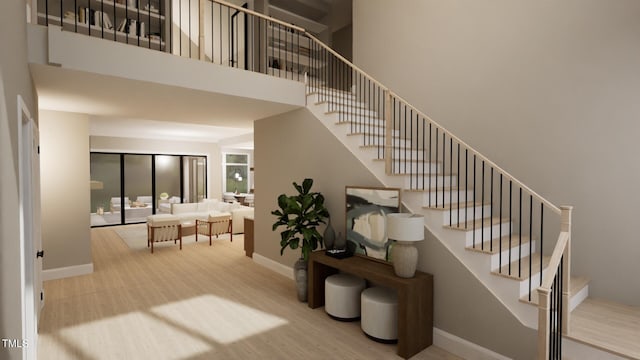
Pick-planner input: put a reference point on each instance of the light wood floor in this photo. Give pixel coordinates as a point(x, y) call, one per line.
point(607, 325)
point(199, 303)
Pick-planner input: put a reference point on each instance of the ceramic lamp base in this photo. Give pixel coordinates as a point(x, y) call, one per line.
point(405, 259)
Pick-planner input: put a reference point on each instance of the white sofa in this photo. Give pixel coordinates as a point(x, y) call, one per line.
point(164, 206)
point(189, 212)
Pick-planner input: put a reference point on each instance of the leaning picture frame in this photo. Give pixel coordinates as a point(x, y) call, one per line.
point(366, 211)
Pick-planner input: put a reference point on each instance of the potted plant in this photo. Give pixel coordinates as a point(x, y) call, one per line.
point(300, 215)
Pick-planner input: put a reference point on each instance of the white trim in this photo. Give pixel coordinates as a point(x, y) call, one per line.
point(281, 269)
point(463, 348)
point(68, 271)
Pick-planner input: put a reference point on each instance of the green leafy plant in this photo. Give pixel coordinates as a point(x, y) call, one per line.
point(300, 215)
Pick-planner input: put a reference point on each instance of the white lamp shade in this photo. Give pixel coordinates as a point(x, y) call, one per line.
point(405, 227)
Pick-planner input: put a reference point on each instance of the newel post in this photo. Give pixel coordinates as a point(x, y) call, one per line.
point(543, 323)
point(388, 124)
point(565, 226)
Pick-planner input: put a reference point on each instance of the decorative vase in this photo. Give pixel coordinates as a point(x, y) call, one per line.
point(329, 236)
point(300, 276)
point(405, 259)
point(340, 242)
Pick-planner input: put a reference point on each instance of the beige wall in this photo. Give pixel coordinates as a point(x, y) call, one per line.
point(296, 145)
point(14, 80)
point(64, 168)
point(548, 90)
point(147, 146)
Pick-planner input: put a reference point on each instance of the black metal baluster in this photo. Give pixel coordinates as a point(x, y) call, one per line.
point(424, 153)
point(102, 19)
point(438, 162)
point(541, 238)
point(510, 221)
point(530, 242)
point(451, 181)
point(500, 230)
point(466, 186)
point(473, 223)
point(520, 234)
point(430, 162)
point(410, 159)
point(219, 32)
point(189, 37)
point(405, 137)
point(491, 212)
point(458, 186)
point(444, 164)
point(482, 211)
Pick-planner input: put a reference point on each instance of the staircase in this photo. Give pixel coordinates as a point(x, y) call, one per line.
point(494, 242)
point(511, 239)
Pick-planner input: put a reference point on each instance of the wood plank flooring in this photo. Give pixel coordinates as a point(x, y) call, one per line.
point(607, 325)
point(199, 303)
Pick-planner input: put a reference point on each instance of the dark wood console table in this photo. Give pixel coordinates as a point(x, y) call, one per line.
point(415, 295)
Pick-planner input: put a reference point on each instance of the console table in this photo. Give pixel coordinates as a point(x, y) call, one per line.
point(415, 295)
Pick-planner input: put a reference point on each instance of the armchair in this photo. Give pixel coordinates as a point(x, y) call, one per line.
point(214, 224)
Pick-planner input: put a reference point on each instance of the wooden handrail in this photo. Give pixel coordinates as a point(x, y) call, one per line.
point(254, 13)
point(558, 251)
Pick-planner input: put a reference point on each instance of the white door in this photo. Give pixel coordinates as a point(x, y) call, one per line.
point(30, 242)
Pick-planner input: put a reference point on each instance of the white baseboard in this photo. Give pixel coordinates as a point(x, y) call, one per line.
point(463, 348)
point(68, 271)
point(273, 265)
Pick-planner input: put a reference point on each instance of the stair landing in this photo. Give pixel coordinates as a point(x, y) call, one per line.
point(607, 325)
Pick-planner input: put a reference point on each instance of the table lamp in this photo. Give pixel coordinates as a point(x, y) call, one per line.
point(405, 229)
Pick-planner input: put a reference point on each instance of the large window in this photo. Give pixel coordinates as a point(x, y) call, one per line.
point(236, 173)
point(126, 188)
point(106, 200)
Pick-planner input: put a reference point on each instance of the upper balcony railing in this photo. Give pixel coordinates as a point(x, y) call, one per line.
point(450, 173)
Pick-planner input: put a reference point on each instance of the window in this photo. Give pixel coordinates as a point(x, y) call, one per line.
point(235, 169)
point(127, 188)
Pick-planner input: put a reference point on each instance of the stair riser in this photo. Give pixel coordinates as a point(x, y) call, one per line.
point(450, 196)
point(455, 216)
point(487, 231)
point(349, 110)
point(429, 181)
point(333, 102)
point(368, 140)
point(368, 129)
point(524, 284)
point(326, 95)
point(412, 167)
point(495, 258)
point(408, 154)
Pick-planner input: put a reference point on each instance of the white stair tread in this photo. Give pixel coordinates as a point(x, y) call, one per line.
point(454, 206)
point(476, 224)
point(503, 244)
point(576, 283)
point(523, 272)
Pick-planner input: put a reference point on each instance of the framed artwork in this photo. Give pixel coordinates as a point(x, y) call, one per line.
point(367, 208)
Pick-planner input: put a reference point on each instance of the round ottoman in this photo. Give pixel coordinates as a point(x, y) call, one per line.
point(380, 314)
point(342, 296)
